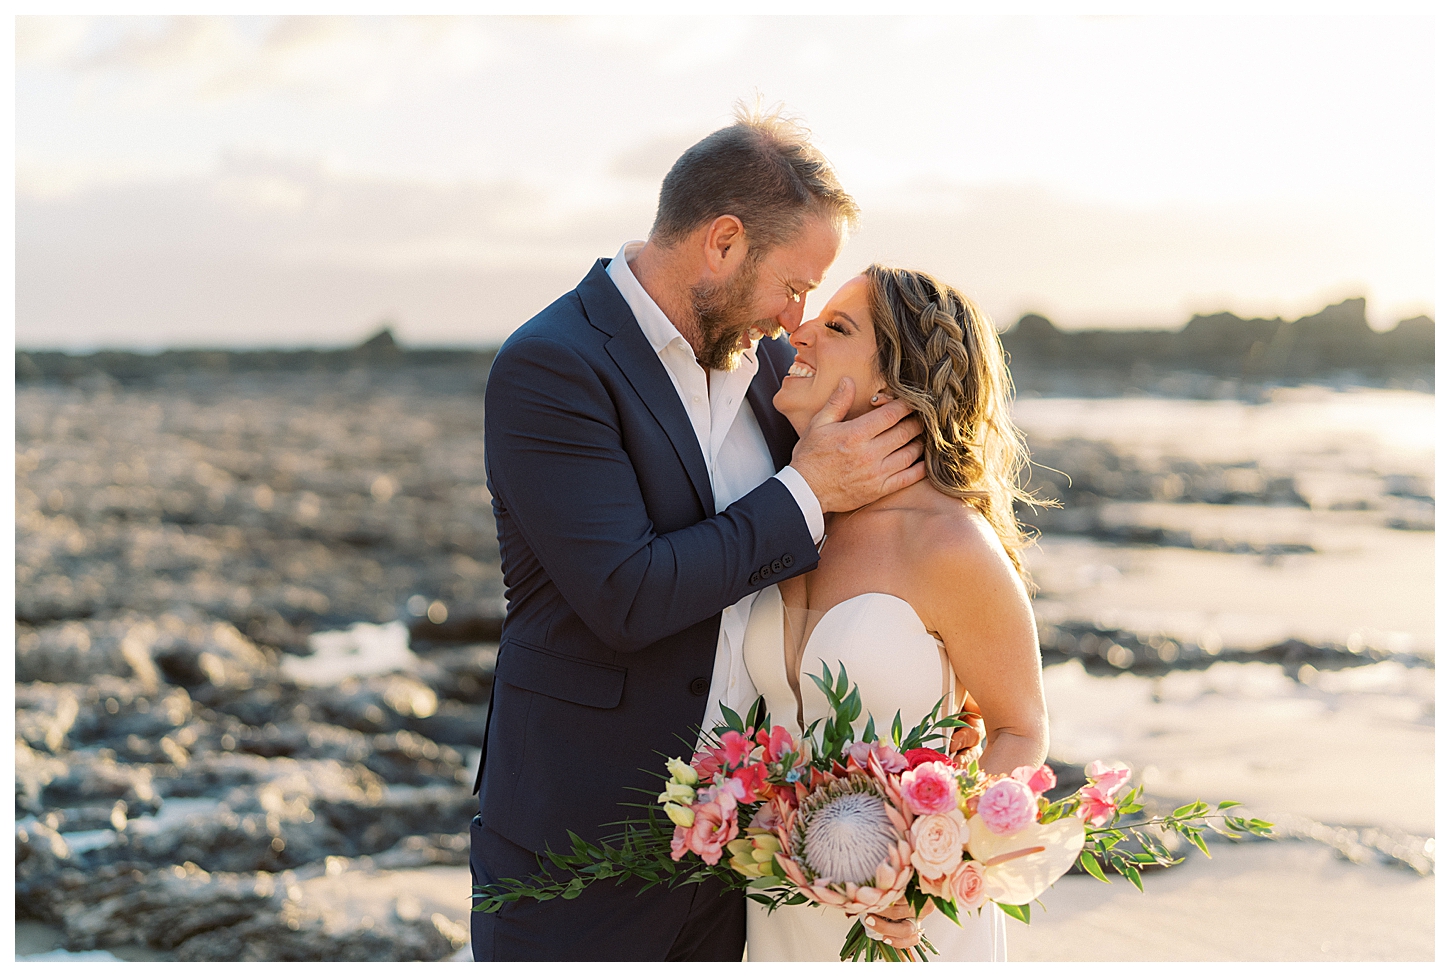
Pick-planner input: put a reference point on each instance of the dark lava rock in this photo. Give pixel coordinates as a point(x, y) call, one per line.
point(109, 710)
point(94, 777)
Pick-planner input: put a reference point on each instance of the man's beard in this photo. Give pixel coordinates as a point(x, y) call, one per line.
point(719, 320)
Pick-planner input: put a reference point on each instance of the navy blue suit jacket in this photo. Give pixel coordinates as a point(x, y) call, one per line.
point(616, 565)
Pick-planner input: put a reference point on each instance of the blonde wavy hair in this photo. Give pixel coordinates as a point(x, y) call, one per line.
point(939, 353)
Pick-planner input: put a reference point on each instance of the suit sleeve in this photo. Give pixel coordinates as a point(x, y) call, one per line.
point(556, 457)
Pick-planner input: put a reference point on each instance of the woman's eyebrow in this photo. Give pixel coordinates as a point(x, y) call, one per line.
point(848, 319)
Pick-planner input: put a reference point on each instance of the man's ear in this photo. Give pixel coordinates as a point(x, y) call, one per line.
point(725, 245)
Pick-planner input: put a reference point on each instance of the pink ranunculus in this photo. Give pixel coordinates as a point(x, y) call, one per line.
point(735, 748)
point(1040, 779)
point(715, 826)
point(930, 788)
point(1110, 778)
point(967, 886)
point(1095, 805)
point(1007, 806)
point(936, 843)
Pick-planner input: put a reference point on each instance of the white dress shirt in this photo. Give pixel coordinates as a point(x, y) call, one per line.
point(736, 456)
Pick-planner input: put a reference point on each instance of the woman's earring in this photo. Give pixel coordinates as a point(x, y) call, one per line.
point(875, 398)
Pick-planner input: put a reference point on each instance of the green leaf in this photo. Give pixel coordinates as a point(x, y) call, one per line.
point(1024, 913)
point(868, 735)
point(732, 718)
point(947, 908)
point(1196, 836)
point(896, 729)
point(1091, 866)
point(1131, 872)
point(1225, 805)
point(1185, 811)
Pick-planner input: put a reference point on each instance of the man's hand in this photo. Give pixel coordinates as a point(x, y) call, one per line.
point(849, 464)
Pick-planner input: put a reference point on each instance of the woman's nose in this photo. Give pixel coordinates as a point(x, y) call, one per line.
point(800, 334)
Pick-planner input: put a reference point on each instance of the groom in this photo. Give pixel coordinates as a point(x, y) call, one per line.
point(644, 489)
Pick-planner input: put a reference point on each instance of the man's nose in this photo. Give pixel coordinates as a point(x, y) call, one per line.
point(790, 317)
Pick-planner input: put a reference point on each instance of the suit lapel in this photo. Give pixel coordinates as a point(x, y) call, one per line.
point(641, 365)
point(779, 435)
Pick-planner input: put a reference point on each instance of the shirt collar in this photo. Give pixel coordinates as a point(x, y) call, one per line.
point(658, 330)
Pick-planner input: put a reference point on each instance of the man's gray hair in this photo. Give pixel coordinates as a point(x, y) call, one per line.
point(763, 170)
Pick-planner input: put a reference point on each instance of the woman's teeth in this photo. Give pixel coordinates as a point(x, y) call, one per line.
point(799, 369)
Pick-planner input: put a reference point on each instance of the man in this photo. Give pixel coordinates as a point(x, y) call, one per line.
point(644, 489)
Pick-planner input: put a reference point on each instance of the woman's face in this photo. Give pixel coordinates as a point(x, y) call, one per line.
point(840, 342)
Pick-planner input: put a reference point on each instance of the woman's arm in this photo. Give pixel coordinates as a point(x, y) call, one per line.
point(974, 599)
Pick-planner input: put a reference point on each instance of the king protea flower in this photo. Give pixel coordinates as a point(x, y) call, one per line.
point(846, 846)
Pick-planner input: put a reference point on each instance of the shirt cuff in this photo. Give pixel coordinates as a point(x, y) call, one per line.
point(806, 499)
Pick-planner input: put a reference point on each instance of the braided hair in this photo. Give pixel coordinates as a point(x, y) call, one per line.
point(940, 354)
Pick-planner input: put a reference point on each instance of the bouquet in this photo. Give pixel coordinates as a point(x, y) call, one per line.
point(863, 824)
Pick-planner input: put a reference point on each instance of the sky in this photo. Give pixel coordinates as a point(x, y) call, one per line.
point(296, 181)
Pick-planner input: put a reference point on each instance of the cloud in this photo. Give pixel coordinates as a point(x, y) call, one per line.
point(209, 59)
point(48, 41)
point(268, 249)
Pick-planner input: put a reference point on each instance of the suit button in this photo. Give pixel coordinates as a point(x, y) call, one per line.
point(765, 571)
point(788, 560)
point(699, 686)
point(777, 566)
point(755, 577)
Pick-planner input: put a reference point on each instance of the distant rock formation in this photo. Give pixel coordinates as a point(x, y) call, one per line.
point(1336, 339)
point(127, 368)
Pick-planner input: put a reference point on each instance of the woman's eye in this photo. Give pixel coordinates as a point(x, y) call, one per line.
point(833, 324)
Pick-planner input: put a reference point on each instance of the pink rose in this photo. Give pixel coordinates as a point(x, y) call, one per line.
point(1110, 778)
point(1095, 805)
point(1007, 806)
point(715, 826)
point(967, 886)
point(930, 788)
point(1040, 779)
point(936, 843)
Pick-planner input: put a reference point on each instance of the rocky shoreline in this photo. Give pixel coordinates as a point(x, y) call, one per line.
point(256, 617)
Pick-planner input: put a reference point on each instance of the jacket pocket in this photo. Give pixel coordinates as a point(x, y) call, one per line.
point(576, 680)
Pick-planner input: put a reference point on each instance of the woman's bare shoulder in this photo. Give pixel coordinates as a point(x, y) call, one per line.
point(958, 552)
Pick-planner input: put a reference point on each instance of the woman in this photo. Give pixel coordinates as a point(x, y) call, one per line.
point(921, 594)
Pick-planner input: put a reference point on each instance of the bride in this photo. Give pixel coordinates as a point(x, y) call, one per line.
point(920, 594)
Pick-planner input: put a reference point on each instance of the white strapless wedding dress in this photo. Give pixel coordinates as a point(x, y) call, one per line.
point(898, 665)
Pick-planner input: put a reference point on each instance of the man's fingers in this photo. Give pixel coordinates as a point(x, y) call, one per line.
point(902, 458)
point(903, 432)
point(837, 405)
point(902, 479)
point(879, 419)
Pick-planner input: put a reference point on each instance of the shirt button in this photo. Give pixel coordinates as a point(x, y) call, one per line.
point(699, 686)
point(697, 398)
